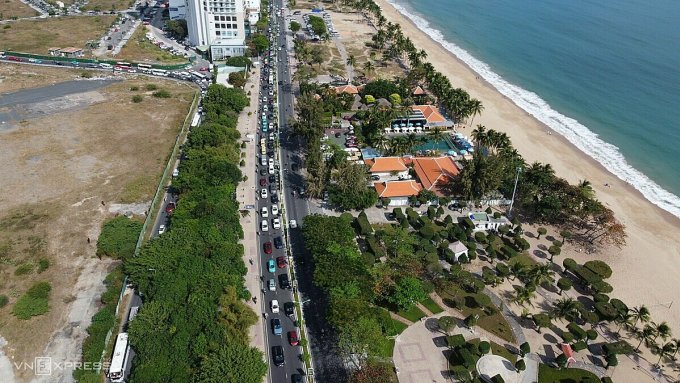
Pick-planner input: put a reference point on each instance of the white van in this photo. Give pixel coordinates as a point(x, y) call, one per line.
point(105, 66)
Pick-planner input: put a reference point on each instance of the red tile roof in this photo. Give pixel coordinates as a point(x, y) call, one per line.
point(397, 188)
point(351, 89)
point(418, 91)
point(435, 172)
point(430, 112)
point(386, 164)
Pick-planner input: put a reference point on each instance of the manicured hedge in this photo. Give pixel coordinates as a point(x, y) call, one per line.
point(578, 332)
point(599, 267)
point(364, 226)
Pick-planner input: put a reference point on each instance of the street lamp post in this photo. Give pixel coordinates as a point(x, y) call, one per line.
point(514, 190)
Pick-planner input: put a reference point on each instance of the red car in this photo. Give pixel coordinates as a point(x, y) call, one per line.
point(267, 247)
point(204, 69)
point(293, 338)
point(169, 208)
point(263, 182)
point(281, 261)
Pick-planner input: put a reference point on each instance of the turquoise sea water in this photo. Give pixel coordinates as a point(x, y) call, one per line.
point(605, 74)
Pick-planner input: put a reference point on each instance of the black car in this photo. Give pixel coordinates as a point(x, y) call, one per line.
point(270, 145)
point(275, 198)
point(272, 188)
point(272, 178)
point(278, 243)
point(289, 308)
point(284, 281)
point(296, 378)
point(263, 171)
point(277, 356)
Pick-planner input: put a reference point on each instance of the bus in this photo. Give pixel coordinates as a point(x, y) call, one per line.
point(196, 120)
point(125, 64)
point(199, 76)
point(159, 72)
point(144, 66)
point(119, 359)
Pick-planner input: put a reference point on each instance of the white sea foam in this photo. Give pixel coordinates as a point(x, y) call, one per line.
point(584, 139)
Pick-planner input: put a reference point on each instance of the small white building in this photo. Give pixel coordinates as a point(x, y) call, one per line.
point(484, 221)
point(458, 249)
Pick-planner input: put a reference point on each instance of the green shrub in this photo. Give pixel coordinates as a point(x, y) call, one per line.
point(480, 237)
point(578, 332)
point(427, 231)
point(43, 264)
point(579, 346)
point(599, 267)
point(364, 226)
point(591, 334)
point(137, 98)
point(3, 300)
point(567, 337)
point(118, 238)
point(162, 94)
point(602, 287)
point(620, 348)
point(597, 297)
point(24, 269)
point(34, 302)
point(151, 86)
point(455, 341)
point(134, 88)
point(619, 305)
point(606, 311)
point(374, 248)
point(570, 264)
point(398, 214)
point(484, 347)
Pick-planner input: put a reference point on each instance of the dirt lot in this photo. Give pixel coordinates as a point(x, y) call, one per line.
point(15, 77)
point(139, 49)
point(14, 8)
point(107, 5)
point(37, 36)
point(65, 174)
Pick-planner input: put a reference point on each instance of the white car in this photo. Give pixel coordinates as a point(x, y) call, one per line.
point(264, 100)
point(275, 210)
point(175, 173)
point(263, 193)
point(275, 306)
point(271, 169)
point(264, 226)
point(265, 108)
point(276, 223)
point(272, 285)
point(161, 228)
point(264, 212)
point(292, 224)
point(271, 162)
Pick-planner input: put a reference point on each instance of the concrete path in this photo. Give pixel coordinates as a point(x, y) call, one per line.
point(343, 56)
point(245, 194)
point(424, 309)
point(400, 319)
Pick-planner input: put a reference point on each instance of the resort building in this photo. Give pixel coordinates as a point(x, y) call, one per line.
point(483, 221)
point(217, 26)
point(422, 117)
point(387, 168)
point(435, 173)
point(458, 249)
point(397, 191)
point(433, 117)
point(351, 89)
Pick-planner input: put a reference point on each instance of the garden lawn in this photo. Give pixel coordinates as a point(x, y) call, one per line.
point(413, 314)
point(524, 259)
point(499, 350)
point(547, 374)
point(431, 305)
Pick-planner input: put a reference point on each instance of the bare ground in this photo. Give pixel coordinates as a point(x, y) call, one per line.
point(57, 171)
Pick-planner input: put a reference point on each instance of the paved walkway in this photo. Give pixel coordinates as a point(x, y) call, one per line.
point(245, 194)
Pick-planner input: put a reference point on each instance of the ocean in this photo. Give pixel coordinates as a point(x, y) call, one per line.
point(604, 74)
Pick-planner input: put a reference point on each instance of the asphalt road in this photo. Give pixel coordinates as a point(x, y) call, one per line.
point(327, 364)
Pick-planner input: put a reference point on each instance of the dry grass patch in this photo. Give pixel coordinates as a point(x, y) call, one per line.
point(15, 77)
point(11, 9)
point(108, 5)
point(59, 169)
point(37, 36)
point(140, 49)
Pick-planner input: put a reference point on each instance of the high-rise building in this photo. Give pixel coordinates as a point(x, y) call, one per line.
point(219, 24)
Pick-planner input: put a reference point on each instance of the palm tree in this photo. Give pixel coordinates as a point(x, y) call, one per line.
point(676, 343)
point(565, 308)
point(411, 141)
point(623, 319)
point(437, 135)
point(640, 313)
point(665, 351)
point(480, 136)
point(517, 270)
point(369, 67)
point(663, 330)
point(523, 295)
point(351, 61)
point(475, 108)
point(541, 274)
point(647, 334)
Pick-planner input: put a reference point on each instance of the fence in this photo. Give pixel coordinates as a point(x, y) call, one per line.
point(89, 61)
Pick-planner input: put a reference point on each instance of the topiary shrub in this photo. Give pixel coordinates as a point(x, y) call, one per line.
point(599, 267)
point(427, 231)
point(579, 346)
point(597, 297)
point(606, 311)
point(567, 337)
point(602, 287)
point(463, 259)
point(484, 347)
point(362, 223)
point(480, 237)
point(591, 334)
point(570, 264)
point(455, 341)
point(575, 329)
point(524, 349)
point(619, 305)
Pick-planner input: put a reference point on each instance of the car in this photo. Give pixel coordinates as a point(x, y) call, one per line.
point(277, 356)
point(264, 225)
point(274, 306)
point(275, 198)
point(275, 210)
point(276, 223)
point(263, 193)
point(337, 135)
point(161, 229)
point(278, 242)
point(281, 262)
point(375, 177)
point(289, 308)
point(272, 285)
point(296, 378)
point(292, 224)
point(284, 282)
point(264, 212)
point(264, 100)
point(267, 247)
point(272, 178)
point(170, 207)
point(293, 338)
point(271, 169)
point(276, 326)
point(263, 171)
point(204, 69)
point(273, 188)
point(263, 181)
point(271, 266)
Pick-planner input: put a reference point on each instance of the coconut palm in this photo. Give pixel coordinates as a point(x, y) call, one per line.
point(565, 308)
point(623, 319)
point(351, 61)
point(369, 67)
point(676, 344)
point(517, 270)
point(479, 135)
point(411, 141)
point(640, 313)
point(475, 108)
point(647, 334)
point(663, 330)
point(523, 295)
point(437, 135)
point(667, 350)
point(541, 274)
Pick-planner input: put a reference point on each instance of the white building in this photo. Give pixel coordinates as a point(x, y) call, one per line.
point(458, 249)
point(178, 9)
point(218, 25)
point(483, 221)
point(252, 12)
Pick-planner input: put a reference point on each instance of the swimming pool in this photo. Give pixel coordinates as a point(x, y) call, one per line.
point(444, 145)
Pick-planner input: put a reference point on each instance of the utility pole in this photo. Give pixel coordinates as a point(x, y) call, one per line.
point(514, 190)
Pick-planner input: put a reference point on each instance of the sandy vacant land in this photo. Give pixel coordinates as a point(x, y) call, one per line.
point(15, 77)
point(107, 5)
point(139, 49)
point(37, 36)
point(10, 9)
point(95, 146)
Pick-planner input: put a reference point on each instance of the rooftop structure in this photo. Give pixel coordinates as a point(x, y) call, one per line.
point(483, 221)
point(351, 89)
point(217, 24)
point(386, 164)
point(435, 172)
point(432, 115)
point(397, 191)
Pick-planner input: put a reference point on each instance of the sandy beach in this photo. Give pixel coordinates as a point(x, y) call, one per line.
point(646, 270)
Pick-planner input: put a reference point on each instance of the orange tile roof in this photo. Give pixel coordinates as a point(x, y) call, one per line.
point(397, 188)
point(435, 171)
point(430, 112)
point(351, 89)
point(418, 91)
point(386, 164)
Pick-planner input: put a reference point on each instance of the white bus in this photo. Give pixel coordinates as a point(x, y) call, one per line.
point(144, 66)
point(105, 66)
point(133, 313)
point(199, 76)
point(119, 359)
point(196, 120)
point(159, 72)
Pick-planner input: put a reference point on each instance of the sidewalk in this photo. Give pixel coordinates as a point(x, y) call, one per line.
point(245, 194)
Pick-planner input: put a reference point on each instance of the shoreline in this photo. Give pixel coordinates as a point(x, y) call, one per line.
point(647, 260)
